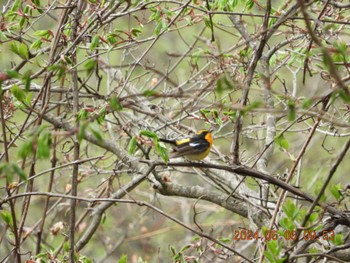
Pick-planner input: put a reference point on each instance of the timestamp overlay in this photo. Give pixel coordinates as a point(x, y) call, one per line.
point(246, 234)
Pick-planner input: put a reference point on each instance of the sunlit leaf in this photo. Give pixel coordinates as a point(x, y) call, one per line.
point(7, 217)
point(90, 65)
point(36, 44)
point(123, 259)
point(336, 191)
point(82, 129)
point(219, 86)
point(20, 49)
point(149, 134)
point(96, 133)
point(26, 148)
point(43, 147)
point(149, 93)
point(18, 93)
point(132, 145)
point(291, 111)
point(19, 171)
point(282, 142)
point(42, 33)
point(161, 150)
point(115, 104)
point(12, 73)
point(94, 43)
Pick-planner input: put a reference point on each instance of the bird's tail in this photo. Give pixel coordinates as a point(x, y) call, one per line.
point(173, 142)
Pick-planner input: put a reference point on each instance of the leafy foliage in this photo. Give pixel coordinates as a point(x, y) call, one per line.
point(86, 87)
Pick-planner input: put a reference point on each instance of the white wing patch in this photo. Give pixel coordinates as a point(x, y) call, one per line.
point(194, 144)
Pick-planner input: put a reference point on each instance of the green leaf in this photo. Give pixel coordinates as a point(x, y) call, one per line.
point(204, 111)
point(115, 104)
point(90, 65)
point(317, 188)
point(26, 78)
point(291, 110)
point(272, 245)
point(44, 143)
point(168, 12)
point(12, 73)
point(101, 115)
point(161, 150)
point(7, 218)
point(195, 56)
point(111, 38)
point(136, 31)
point(96, 133)
point(28, 99)
point(3, 37)
point(287, 224)
point(18, 93)
point(82, 128)
point(42, 33)
point(41, 128)
point(313, 217)
point(281, 260)
point(340, 53)
point(82, 115)
point(36, 44)
point(344, 96)
point(27, 10)
point(37, 4)
point(290, 209)
point(249, 4)
point(149, 93)
point(219, 87)
point(282, 142)
point(338, 239)
point(225, 240)
point(156, 14)
point(158, 28)
point(3, 166)
point(59, 69)
point(7, 170)
point(85, 259)
point(172, 249)
point(20, 49)
point(104, 218)
point(21, 22)
point(207, 22)
point(218, 121)
point(326, 59)
point(16, 5)
point(269, 256)
point(336, 191)
point(186, 247)
point(231, 114)
point(94, 43)
point(19, 171)
point(66, 246)
point(307, 103)
point(149, 134)
point(123, 259)
point(26, 148)
point(68, 60)
point(228, 83)
point(132, 145)
point(252, 106)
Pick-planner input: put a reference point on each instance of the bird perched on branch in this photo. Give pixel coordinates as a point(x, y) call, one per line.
point(195, 148)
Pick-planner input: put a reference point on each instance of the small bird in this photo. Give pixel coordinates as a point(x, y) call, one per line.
point(195, 148)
